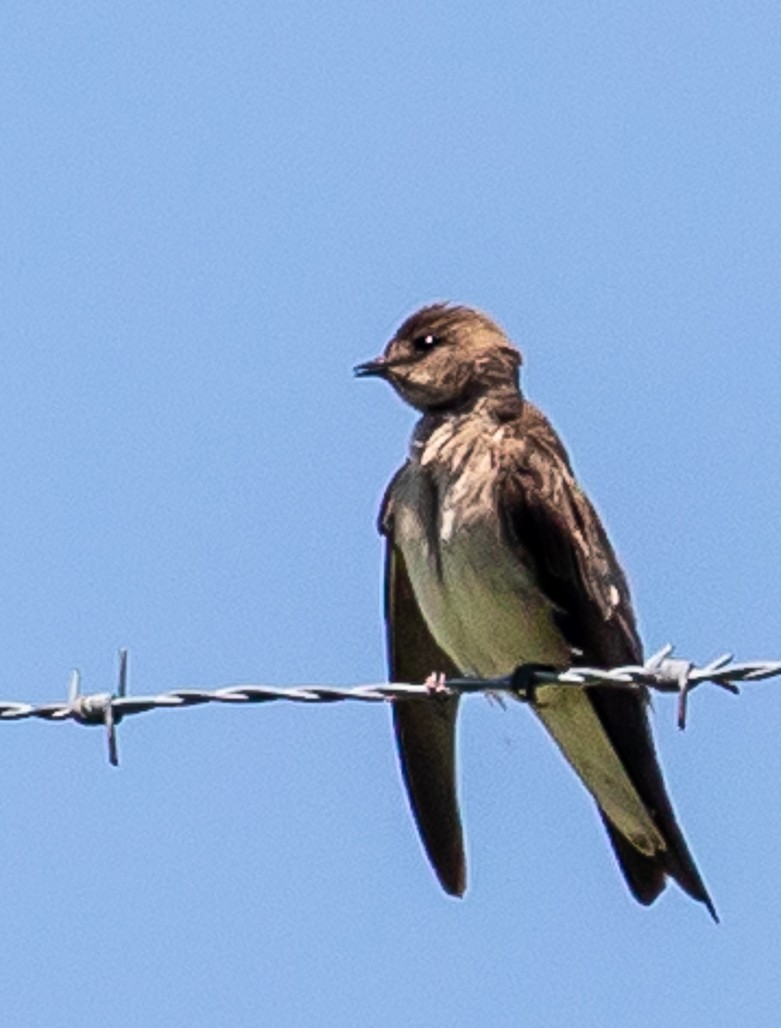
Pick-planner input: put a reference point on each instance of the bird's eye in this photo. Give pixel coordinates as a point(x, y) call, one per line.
point(424, 343)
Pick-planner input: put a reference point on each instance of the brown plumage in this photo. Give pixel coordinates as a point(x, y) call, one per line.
point(495, 557)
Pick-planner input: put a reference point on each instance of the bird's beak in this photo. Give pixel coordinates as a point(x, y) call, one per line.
point(378, 367)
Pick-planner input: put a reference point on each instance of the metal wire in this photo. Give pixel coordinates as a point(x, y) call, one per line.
point(661, 672)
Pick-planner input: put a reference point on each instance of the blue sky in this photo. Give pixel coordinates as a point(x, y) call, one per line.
point(209, 213)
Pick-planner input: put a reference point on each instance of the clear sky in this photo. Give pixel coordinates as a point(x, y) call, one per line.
point(209, 212)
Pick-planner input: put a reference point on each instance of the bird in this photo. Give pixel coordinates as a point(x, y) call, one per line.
point(495, 558)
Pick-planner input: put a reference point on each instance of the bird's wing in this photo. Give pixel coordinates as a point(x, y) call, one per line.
point(425, 730)
point(604, 732)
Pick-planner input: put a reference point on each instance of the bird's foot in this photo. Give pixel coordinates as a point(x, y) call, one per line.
point(436, 684)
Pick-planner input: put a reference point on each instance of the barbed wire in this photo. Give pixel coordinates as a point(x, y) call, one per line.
point(661, 672)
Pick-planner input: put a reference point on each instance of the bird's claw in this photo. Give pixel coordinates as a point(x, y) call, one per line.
point(436, 683)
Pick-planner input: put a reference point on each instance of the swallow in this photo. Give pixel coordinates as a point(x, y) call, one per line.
point(496, 558)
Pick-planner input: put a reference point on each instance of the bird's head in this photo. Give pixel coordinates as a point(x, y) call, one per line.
point(445, 357)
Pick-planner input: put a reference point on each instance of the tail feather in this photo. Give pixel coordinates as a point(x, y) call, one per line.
point(625, 719)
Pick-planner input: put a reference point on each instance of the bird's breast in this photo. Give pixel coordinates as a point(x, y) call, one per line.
point(478, 595)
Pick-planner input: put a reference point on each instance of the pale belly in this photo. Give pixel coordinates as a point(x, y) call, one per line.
point(479, 602)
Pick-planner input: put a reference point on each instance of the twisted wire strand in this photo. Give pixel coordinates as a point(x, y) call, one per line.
point(661, 672)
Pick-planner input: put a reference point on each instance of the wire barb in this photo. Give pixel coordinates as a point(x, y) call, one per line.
point(95, 708)
point(661, 672)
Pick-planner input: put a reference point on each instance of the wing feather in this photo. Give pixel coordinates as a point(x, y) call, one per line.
point(546, 515)
point(425, 731)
